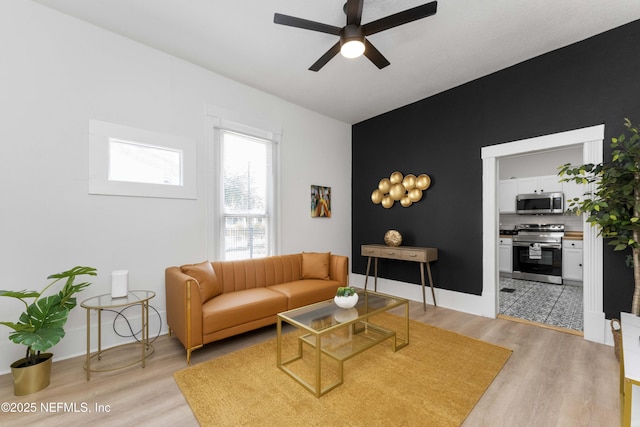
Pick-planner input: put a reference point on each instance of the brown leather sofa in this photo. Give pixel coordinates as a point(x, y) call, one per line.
point(214, 300)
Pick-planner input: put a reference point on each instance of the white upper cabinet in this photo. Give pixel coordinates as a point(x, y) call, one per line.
point(508, 189)
point(539, 184)
point(571, 191)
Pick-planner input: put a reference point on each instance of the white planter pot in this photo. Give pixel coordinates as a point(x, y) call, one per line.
point(346, 302)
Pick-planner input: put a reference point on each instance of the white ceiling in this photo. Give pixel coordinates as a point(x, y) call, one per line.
point(465, 40)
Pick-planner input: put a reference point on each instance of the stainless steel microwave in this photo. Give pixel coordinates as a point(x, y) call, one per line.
point(540, 203)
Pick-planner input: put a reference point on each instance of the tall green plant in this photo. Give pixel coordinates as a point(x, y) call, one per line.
point(614, 205)
point(41, 325)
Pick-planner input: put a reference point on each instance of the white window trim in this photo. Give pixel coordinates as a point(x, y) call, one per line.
point(220, 118)
point(99, 183)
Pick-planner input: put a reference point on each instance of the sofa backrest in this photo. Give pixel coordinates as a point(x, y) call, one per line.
point(252, 273)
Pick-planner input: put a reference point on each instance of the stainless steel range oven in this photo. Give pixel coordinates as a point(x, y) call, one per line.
point(537, 252)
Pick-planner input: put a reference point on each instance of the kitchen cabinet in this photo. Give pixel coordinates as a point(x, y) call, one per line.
point(507, 192)
point(539, 184)
point(508, 189)
point(505, 255)
point(572, 190)
point(572, 260)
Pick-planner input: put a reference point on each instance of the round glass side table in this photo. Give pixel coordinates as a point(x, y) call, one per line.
point(103, 302)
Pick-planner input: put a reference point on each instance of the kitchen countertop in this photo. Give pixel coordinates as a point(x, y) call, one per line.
point(568, 235)
point(573, 235)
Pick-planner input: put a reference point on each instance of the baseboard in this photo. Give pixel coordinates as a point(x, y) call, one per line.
point(596, 328)
point(466, 303)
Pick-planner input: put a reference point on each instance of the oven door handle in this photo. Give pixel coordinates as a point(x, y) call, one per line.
point(542, 245)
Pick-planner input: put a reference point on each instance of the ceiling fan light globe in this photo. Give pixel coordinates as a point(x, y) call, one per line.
point(352, 49)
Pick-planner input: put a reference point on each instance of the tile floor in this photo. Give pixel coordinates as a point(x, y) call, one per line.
point(557, 305)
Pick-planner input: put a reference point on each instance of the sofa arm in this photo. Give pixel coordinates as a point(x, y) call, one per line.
point(184, 308)
point(339, 269)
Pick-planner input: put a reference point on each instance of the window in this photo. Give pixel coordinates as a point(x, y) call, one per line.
point(243, 159)
point(126, 161)
point(135, 162)
point(246, 186)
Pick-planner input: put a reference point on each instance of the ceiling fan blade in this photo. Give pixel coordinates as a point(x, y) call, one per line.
point(400, 18)
point(374, 55)
point(305, 24)
point(326, 57)
point(353, 9)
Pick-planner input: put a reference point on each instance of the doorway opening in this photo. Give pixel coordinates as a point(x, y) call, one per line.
point(537, 290)
point(591, 140)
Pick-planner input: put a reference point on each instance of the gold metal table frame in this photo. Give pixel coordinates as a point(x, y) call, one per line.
point(318, 321)
point(103, 302)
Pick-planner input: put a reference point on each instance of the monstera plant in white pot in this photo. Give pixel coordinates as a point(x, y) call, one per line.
point(41, 326)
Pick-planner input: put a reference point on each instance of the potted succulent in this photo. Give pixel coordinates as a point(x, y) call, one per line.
point(614, 205)
point(346, 297)
point(40, 327)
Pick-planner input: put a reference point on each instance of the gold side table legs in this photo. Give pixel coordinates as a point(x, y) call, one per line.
point(103, 302)
point(88, 361)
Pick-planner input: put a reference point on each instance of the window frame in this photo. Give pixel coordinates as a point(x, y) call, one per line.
point(219, 120)
point(100, 134)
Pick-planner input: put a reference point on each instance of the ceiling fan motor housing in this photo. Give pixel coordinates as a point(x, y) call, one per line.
point(352, 34)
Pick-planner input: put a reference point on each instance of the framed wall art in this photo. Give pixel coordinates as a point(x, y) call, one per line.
point(320, 201)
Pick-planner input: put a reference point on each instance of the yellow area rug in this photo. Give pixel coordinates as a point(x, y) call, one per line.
point(434, 381)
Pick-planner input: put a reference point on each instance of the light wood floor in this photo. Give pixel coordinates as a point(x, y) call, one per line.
point(551, 379)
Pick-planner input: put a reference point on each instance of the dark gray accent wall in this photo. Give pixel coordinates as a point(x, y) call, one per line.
point(588, 83)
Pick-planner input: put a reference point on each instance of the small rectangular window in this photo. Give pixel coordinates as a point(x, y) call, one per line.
point(127, 161)
point(136, 162)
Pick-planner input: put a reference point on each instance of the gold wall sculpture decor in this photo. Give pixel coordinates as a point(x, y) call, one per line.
point(405, 189)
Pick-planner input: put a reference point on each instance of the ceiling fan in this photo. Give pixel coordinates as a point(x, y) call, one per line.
point(353, 42)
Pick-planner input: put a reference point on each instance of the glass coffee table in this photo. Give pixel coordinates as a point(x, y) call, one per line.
point(326, 331)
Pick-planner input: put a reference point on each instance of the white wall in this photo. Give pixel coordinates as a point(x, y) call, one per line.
point(56, 74)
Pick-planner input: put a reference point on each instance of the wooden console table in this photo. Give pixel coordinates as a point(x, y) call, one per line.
point(404, 253)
